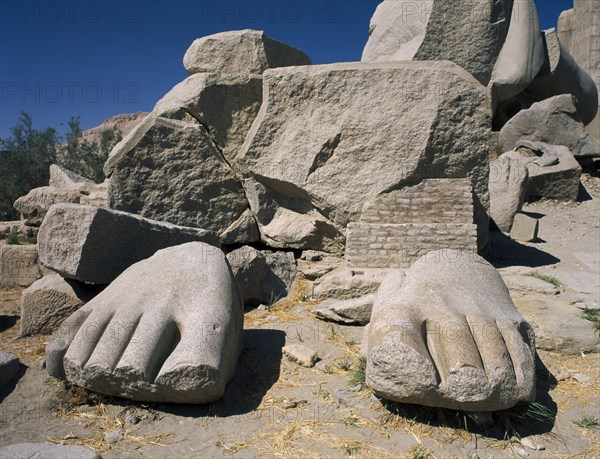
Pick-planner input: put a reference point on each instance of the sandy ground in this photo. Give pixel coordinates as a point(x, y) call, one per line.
point(274, 408)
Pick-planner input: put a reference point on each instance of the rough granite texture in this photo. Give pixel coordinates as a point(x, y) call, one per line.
point(173, 171)
point(18, 265)
point(240, 51)
point(96, 245)
point(326, 137)
point(446, 334)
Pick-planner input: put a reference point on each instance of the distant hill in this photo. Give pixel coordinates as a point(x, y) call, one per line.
point(124, 123)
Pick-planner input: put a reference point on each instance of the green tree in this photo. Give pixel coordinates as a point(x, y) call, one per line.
point(25, 159)
point(87, 158)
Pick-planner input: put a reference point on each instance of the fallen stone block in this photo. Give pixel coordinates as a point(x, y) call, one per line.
point(240, 51)
point(263, 276)
point(509, 182)
point(525, 228)
point(553, 171)
point(173, 171)
point(301, 355)
point(355, 311)
point(96, 245)
point(19, 265)
point(321, 127)
point(554, 121)
point(49, 301)
point(34, 205)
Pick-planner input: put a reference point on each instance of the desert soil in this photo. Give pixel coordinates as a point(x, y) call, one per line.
point(274, 408)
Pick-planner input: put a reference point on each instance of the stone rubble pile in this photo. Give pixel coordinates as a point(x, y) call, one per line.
point(259, 156)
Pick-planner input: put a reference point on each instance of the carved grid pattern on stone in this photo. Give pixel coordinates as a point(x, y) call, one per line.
point(398, 228)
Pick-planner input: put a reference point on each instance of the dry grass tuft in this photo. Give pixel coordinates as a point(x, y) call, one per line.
point(99, 421)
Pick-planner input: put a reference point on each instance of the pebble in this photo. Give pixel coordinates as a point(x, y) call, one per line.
point(132, 419)
point(114, 437)
point(42, 363)
point(521, 452)
point(301, 355)
point(563, 376)
point(343, 397)
point(528, 443)
point(583, 379)
point(262, 307)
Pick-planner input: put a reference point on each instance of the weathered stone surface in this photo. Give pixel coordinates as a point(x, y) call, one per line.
point(64, 179)
point(353, 311)
point(240, 51)
point(225, 104)
point(39, 450)
point(96, 245)
point(346, 283)
point(558, 326)
point(469, 34)
point(554, 121)
point(9, 367)
point(301, 355)
point(18, 265)
point(583, 47)
point(525, 228)
point(553, 171)
point(316, 269)
point(509, 180)
point(285, 222)
point(262, 276)
point(528, 283)
point(562, 75)
point(523, 53)
point(321, 127)
point(565, 26)
point(34, 205)
point(169, 329)
point(397, 30)
point(172, 171)
point(49, 301)
point(447, 334)
point(96, 195)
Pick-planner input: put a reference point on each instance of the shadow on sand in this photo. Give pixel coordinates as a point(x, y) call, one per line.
point(506, 252)
point(257, 371)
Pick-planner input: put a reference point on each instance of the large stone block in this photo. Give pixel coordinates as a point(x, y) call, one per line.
point(509, 182)
point(34, 205)
point(49, 301)
point(553, 171)
point(96, 245)
point(169, 329)
point(240, 51)
point(225, 104)
point(18, 265)
point(64, 179)
point(553, 121)
point(172, 171)
point(562, 75)
point(329, 138)
point(263, 276)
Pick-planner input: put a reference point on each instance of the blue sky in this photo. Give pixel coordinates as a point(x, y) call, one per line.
point(100, 58)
